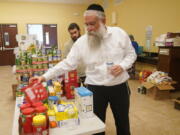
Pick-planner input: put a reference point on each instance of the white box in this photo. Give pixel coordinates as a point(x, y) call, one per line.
point(69, 123)
point(84, 102)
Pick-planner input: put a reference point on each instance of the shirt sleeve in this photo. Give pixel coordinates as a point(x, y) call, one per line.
point(68, 64)
point(129, 55)
point(66, 50)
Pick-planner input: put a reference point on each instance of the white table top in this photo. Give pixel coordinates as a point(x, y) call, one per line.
point(87, 126)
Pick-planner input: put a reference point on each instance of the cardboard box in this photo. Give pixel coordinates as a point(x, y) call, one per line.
point(158, 91)
point(177, 103)
point(84, 102)
point(14, 88)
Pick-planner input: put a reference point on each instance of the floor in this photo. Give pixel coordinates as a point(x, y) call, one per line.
point(147, 116)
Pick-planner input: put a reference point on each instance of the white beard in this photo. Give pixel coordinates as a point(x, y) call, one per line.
point(95, 38)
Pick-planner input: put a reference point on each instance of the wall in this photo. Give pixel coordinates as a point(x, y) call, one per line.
point(135, 15)
point(23, 13)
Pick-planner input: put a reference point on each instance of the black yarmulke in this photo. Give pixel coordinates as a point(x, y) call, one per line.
point(96, 7)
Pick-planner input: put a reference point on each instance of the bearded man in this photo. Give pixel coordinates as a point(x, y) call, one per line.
point(74, 31)
point(107, 53)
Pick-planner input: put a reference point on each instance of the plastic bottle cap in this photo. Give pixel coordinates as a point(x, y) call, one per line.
point(53, 98)
point(24, 106)
point(39, 120)
point(28, 111)
point(36, 104)
point(41, 109)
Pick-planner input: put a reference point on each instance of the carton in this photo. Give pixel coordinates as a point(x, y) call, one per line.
point(66, 115)
point(177, 103)
point(84, 102)
point(158, 91)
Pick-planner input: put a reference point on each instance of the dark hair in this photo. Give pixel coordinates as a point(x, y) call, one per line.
point(96, 7)
point(131, 37)
point(73, 26)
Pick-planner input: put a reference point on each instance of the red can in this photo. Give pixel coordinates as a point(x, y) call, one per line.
point(27, 116)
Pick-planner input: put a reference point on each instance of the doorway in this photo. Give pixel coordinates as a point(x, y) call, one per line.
point(7, 43)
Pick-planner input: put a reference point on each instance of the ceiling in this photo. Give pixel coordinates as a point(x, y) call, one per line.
point(57, 1)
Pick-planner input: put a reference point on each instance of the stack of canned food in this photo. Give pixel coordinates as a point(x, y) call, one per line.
point(28, 65)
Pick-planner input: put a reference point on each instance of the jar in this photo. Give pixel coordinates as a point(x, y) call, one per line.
point(39, 125)
point(43, 111)
point(24, 106)
point(27, 116)
point(37, 104)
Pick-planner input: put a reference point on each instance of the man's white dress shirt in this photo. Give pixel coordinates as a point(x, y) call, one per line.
point(115, 47)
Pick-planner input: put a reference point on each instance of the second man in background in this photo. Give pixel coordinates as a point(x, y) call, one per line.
point(75, 33)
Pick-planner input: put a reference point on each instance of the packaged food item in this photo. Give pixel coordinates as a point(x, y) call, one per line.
point(40, 125)
point(27, 116)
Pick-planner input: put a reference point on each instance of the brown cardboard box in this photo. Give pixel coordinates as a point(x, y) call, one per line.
point(159, 91)
point(177, 103)
point(14, 87)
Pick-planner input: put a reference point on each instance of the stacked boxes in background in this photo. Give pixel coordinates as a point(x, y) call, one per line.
point(84, 102)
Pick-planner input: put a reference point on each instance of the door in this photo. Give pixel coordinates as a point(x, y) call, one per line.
point(7, 43)
point(50, 35)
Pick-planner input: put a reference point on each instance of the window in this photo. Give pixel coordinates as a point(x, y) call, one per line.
point(46, 34)
point(36, 29)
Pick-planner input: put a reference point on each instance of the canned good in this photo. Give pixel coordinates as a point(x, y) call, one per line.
point(50, 58)
point(54, 58)
point(45, 58)
point(45, 66)
point(18, 67)
point(23, 61)
point(58, 52)
point(40, 59)
point(58, 57)
point(35, 66)
point(34, 59)
point(36, 74)
point(40, 66)
point(51, 65)
point(41, 72)
point(27, 116)
point(40, 125)
point(25, 77)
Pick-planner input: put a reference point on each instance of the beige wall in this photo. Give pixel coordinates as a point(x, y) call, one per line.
point(135, 15)
point(132, 15)
point(23, 13)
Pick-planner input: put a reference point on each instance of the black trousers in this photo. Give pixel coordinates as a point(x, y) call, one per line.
point(82, 80)
point(118, 98)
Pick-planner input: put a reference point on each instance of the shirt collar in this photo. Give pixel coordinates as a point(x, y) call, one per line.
point(108, 32)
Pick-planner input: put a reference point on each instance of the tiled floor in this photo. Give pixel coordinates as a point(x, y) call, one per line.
point(147, 116)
